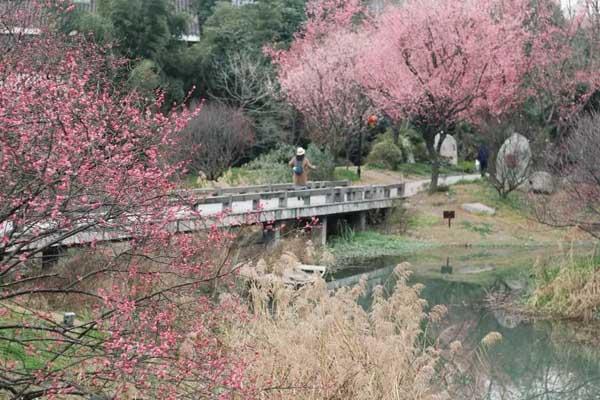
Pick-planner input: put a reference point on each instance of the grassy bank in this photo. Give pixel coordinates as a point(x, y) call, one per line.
point(568, 287)
point(371, 244)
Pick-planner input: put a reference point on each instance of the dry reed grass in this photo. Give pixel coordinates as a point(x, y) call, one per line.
point(313, 344)
point(570, 287)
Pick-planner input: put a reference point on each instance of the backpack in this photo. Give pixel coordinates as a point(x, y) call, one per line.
point(298, 169)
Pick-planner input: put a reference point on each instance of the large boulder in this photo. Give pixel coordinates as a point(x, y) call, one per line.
point(513, 163)
point(449, 149)
point(541, 182)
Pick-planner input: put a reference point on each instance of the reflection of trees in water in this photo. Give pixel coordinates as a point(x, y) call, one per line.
point(540, 369)
point(527, 363)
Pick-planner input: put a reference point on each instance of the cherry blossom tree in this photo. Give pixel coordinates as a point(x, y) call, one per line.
point(318, 77)
point(439, 62)
point(566, 59)
point(80, 162)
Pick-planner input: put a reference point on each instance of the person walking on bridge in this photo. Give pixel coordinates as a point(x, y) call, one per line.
point(300, 166)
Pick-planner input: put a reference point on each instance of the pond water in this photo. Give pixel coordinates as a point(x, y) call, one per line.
point(534, 360)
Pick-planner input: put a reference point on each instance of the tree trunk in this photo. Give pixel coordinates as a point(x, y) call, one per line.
point(435, 173)
point(396, 134)
point(360, 138)
point(434, 157)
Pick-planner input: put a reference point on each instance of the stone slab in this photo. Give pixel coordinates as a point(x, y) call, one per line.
point(478, 208)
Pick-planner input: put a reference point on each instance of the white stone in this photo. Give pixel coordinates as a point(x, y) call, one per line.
point(513, 162)
point(541, 182)
point(478, 208)
point(449, 149)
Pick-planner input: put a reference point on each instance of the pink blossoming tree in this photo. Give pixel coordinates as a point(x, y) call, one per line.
point(80, 160)
point(318, 77)
point(440, 62)
point(566, 60)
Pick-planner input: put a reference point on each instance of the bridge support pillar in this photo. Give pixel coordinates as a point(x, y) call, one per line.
point(319, 232)
point(361, 221)
point(271, 233)
point(387, 217)
point(50, 256)
point(387, 214)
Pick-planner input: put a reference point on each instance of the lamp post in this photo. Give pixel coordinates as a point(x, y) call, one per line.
point(360, 134)
point(371, 122)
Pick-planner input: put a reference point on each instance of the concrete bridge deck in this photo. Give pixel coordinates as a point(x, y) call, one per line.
point(270, 204)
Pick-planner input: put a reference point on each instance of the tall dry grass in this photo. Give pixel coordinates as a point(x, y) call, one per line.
point(314, 344)
point(568, 287)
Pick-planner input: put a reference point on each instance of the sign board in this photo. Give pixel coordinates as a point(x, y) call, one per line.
point(449, 215)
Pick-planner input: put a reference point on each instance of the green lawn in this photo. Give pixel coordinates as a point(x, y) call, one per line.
point(369, 244)
point(13, 343)
point(484, 192)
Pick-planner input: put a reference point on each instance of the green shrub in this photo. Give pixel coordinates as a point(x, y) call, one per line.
point(421, 153)
point(243, 176)
point(344, 174)
point(145, 77)
point(272, 167)
point(468, 167)
point(323, 160)
point(407, 148)
point(417, 144)
point(385, 153)
point(406, 141)
point(280, 155)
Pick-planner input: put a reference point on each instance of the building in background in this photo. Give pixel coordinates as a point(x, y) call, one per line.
point(181, 6)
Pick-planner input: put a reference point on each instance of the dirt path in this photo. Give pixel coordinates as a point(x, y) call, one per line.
point(384, 177)
point(380, 177)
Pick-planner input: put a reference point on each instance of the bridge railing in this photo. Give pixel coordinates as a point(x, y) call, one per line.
point(276, 200)
point(274, 205)
point(264, 188)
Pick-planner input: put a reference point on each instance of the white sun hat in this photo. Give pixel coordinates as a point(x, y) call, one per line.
point(300, 151)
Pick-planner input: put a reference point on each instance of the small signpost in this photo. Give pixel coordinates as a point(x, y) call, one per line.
point(449, 215)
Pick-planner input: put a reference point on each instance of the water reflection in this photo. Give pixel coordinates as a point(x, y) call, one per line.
point(535, 360)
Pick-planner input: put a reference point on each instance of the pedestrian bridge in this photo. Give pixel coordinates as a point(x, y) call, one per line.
point(271, 205)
